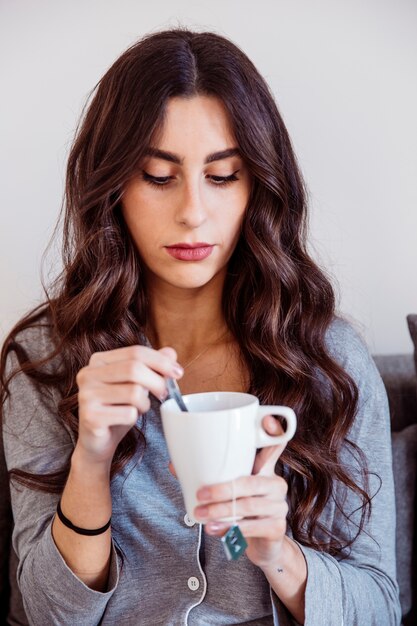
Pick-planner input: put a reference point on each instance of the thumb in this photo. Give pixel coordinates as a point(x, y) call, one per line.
point(169, 352)
point(267, 457)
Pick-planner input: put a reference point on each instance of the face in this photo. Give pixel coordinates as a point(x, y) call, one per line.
point(185, 206)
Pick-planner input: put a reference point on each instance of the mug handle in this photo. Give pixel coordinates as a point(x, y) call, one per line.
point(262, 438)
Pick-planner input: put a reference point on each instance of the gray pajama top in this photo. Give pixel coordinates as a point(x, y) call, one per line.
point(164, 578)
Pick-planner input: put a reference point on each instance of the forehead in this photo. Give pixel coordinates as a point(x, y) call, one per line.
point(197, 123)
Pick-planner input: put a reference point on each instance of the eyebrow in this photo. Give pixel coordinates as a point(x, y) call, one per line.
point(174, 158)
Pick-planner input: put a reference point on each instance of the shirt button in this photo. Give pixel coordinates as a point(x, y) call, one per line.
point(193, 583)
point(188, 520)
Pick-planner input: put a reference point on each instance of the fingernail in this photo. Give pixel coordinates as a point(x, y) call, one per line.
point(201, 511)
point(214, 527)
point(203, 493)
point(177, 370)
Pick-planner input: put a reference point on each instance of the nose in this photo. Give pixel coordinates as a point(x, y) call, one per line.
point(191, 209)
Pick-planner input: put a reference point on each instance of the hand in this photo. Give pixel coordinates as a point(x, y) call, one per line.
point(260, 501)
point(113, 389)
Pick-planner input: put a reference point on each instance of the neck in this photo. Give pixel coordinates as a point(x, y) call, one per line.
point(186, 319)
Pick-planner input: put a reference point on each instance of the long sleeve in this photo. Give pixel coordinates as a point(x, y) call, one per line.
point(360, 589)
point(35, 441)
point(162, 550)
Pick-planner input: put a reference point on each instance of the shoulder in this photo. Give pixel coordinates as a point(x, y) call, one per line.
point(29, 360)
point(36, 337)
point(31, 394)
point(346, 345)
point(349, 349)
point(33, 342)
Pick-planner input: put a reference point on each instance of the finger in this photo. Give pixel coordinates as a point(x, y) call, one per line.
point(269, 528)
point(133, 371)
point(266, 460)
point(257, 506)
point(159, 361)
point(172, 469)
point(122, 393)
point(169, 352)
point(105, 417)
point(119, 413)
point(271, 486)
point(272, 426)
point(119, 354)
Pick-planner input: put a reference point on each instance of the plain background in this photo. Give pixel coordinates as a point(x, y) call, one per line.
point(344, 77)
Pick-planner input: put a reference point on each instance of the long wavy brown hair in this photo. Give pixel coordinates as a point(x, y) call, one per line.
point(277, 303)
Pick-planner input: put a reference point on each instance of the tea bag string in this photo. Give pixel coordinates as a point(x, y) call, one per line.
point(234, 516)
point(234, 543)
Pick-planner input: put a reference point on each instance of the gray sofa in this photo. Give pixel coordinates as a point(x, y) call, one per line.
point(399, 375)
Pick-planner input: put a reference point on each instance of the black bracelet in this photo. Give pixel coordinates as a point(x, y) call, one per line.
point(77, 529)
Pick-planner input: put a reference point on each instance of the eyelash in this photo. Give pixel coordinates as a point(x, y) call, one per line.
point(222, 181)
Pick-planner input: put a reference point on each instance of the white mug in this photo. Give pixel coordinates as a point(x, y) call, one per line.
point(216, 440)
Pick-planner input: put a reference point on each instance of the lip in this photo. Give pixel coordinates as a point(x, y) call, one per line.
point(198, 244)
point(190, 251)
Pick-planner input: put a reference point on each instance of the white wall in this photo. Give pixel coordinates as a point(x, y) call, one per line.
point(344, 75)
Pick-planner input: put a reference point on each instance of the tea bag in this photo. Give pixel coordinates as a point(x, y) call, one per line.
point(234, 543)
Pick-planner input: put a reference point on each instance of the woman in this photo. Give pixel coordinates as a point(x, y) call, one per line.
point(185, 257)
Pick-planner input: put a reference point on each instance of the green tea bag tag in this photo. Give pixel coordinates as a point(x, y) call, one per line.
point(234, 543)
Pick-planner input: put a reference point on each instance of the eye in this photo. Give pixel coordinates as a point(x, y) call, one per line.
point(162, 181)
point(155, 181)
point(222, 181)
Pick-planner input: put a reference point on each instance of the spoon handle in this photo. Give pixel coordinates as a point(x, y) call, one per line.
point(175, 393)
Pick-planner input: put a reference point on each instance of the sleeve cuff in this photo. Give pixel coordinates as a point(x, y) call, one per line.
point(62, 586)
point(324, 585)
point(281, 616)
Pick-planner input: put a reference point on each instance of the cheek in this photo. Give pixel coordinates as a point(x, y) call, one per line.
point(141, 214)
point(230, 228)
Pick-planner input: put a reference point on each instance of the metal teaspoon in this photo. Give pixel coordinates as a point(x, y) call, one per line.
point(175, 393)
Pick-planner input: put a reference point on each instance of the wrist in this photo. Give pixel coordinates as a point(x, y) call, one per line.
point(287, 551)
point(287, 576)
point(82, 463)
point(86, 499)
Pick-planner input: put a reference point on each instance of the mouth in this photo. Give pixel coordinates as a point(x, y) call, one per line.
point(198, 244)
point(190, 251)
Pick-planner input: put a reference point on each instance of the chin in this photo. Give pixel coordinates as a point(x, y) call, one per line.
point(195, 283)
point(189, 278)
